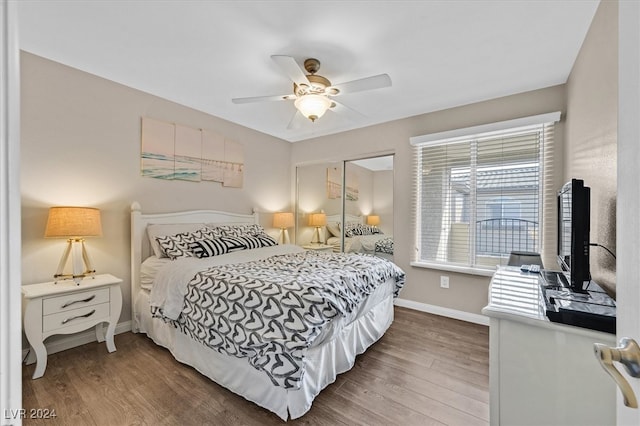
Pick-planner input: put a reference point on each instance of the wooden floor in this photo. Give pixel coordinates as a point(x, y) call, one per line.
point(426, 370)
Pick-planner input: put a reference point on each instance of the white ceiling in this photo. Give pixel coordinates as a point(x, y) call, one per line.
point(376, 163)
point(439, 54)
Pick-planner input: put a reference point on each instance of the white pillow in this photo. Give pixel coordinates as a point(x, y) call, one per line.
point(334, 228)
point(155, 230)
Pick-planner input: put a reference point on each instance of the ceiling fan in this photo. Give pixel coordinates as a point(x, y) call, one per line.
point(312, 93)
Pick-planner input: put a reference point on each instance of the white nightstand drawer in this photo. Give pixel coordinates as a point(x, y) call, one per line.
point(75, 316)
point(72, 301)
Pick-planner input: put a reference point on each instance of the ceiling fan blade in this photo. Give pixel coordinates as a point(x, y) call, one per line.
point(296, 121)
point(368, 83)
point(346, 111)
point(262, 99)
point(291, 69)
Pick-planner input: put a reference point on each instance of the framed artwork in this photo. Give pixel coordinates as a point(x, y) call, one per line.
point(173, 151)
point(334, 183)
point(157, 157)
point(351, 192)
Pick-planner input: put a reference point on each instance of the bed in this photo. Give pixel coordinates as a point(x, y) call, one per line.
point(308, 337)
point(372, 242)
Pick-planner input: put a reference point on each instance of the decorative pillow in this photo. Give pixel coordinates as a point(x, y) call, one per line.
point(223, 245)
point(355, 228)
point(352, 228)
point(248, 242)
point(237, 230)
point(155, 230)
point(334, 228)
point(176, 246)
point(208, 248)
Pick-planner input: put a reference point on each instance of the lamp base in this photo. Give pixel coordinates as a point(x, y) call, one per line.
point(80, 260)
point(316, 236)
point(284, 236)
point(76, 278)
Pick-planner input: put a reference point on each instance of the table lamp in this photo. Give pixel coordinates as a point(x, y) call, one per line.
point(373, 220)
point(283, 221)
point(74, 223)
point(317, 220)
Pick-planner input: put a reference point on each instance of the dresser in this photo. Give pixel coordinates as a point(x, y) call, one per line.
point(541, 372)
point(65, 308)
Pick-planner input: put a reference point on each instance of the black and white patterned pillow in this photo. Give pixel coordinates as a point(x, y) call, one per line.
point(237, 230)
point(209, 248)
point(248, 242)
point(176, 246)
point(223, 245)
point(355, 228)
point(351, 229)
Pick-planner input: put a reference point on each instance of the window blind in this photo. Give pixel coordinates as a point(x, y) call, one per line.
point(478, 196)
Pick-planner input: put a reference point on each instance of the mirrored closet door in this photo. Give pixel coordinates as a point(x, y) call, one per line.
point(368, 206)
point(318, 197)
point(346, 206)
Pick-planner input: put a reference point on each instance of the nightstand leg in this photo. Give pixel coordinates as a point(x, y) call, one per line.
point(41, 359)
point(111, 347)
point(116, 306)
point(100, 332)
point(33, 331)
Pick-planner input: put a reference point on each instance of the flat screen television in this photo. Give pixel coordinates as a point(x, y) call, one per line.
point(573, 233)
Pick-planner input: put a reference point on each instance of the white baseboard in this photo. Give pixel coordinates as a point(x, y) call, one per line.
point(73, 340)
point(445, 312)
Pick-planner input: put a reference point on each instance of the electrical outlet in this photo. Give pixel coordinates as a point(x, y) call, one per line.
point(444, 281)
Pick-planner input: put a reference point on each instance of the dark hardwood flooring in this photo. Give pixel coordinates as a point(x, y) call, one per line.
point(426, 370)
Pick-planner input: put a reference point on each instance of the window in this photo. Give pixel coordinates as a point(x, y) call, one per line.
point(483, 192)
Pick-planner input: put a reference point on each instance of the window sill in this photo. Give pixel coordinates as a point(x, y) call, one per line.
point(452, 268)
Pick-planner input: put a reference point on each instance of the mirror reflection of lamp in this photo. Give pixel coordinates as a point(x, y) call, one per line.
point(283, 220)
point(373, 220)
point(74, 223)
point(317, 220)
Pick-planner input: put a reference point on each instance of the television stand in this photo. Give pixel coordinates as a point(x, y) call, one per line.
point(542, 372)
point(592, 308)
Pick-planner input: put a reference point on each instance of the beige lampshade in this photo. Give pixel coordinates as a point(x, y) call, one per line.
point(317, 219)
point(373, 220)
point(282, 220)
point(73, 222)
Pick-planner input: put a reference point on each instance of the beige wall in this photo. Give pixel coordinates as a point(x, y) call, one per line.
point(81, 146)
point(591, 133)
point(467, 292)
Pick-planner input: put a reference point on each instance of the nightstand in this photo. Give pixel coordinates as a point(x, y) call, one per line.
point(67, 308)
point(318, 247)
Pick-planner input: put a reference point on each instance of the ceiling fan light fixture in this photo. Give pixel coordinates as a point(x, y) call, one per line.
point(313, 106)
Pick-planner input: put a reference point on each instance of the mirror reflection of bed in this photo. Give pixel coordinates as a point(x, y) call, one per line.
point(361, 236)
point(366, 198)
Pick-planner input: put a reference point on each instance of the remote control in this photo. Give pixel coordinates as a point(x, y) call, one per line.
point(534, 268)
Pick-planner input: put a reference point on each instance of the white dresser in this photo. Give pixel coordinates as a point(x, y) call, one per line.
point(66, 308)
point(542, 373)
